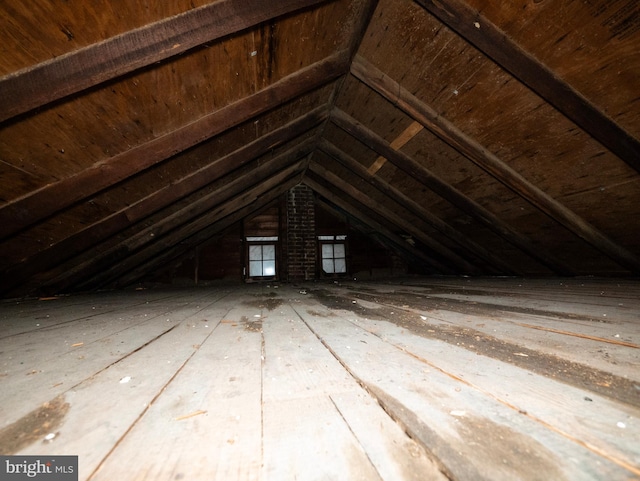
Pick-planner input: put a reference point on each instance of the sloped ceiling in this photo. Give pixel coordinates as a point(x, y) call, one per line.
point(500, 138)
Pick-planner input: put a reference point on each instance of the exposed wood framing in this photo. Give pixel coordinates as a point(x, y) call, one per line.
point(102, 229)
point(489, 39)
point(217, 226)
point(446, 191)
point(471, 149)
point(351, 206)
point(444, 252)
point(41, 203)
point(409, 133)
point(173, 228)
point(493, 262)
point(97, 63)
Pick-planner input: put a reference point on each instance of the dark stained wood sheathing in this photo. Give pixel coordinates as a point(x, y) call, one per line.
point(129, 135)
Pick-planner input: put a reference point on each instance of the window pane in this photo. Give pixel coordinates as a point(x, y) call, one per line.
point(327, 266)
point(340, 266)
point(255, 253)
point(269, 252)
point(338, 251)
point(269, 268)
point(327, 251)
point(255, 268)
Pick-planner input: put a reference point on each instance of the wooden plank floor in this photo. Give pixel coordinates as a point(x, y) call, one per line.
point(415, 379)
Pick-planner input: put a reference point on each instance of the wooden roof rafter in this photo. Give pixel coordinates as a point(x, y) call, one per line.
point(166, 195)
point(41, 203)
point(172, 230)
point(364, 197)
point(469, 245)
point(489, 162)
point(495, 44)
point(446, 191)
point(97, 63)
point(358, 211)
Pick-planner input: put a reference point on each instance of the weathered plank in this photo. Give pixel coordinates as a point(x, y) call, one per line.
point(313, 413)
point(71, 353)
point(475, 435)
point(206, 421)
point(124, 53)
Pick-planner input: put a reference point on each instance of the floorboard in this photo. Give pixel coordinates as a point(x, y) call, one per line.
point(410, 379)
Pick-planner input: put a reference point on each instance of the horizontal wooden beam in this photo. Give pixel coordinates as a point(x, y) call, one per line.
point(414, 255)
point(494, 262)
point(447, 192)
point(489, 162)
point(74, 245)
point(76, 71)
point(495, 44)
point(42, 203)
point(451, 258)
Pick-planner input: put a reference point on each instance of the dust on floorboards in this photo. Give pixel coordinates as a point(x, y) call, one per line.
point(412, 379)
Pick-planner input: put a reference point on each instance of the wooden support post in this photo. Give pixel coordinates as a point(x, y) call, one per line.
point(446, 191)
point(445, 130)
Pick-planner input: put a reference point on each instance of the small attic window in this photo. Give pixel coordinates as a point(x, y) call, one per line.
point(333, 254)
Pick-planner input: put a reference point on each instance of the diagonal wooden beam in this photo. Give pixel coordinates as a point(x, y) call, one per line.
point(171, 228)
point(73, 72)
point(349, 206)
point(450, 257)
point(494, 43)
point(14, 276)
point(495, 263)
point(447, 192)
point(470, 148)
point(409, 133)
point(41, 203)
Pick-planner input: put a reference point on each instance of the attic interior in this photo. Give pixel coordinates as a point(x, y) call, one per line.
point(439, 199)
